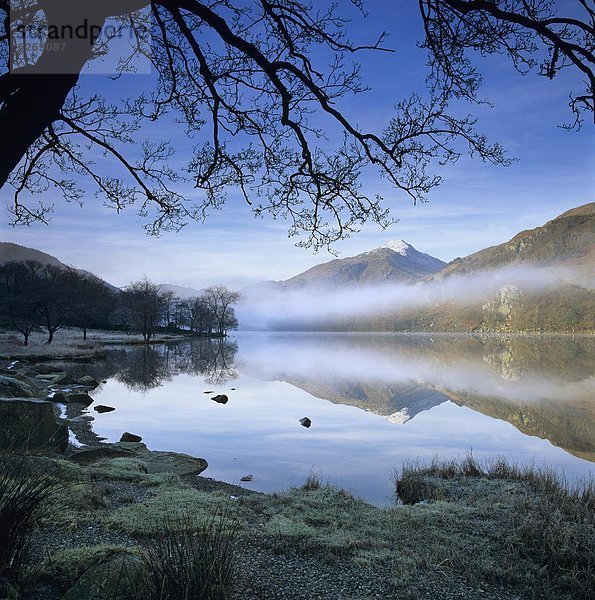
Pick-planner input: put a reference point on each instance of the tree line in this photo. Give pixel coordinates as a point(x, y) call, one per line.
point(45, 297)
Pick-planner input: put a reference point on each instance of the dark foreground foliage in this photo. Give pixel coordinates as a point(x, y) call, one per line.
point(24, 491)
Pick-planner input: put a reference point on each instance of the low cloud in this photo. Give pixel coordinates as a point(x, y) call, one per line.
point(275, 305)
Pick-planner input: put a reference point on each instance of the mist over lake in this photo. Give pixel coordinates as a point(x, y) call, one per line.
point(375, 402)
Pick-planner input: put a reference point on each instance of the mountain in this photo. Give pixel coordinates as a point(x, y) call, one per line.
point(394, 262)
point(181, 292)
point(13, 252)
point(567, 241)
point(541, 280)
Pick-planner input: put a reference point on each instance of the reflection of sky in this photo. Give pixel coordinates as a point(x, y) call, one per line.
point(258, 431)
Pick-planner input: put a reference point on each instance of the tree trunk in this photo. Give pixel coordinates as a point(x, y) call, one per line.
point(31, 97)
point(50, 336)
point(26, 336)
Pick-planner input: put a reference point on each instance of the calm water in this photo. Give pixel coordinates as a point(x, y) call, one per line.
point(375, 401)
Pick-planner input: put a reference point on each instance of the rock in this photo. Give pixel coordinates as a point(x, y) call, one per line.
point(17, 386)
point(46, 369)
point(101, 408)
point(247, 478)
point(83, 398)
point(130, 437)
point(208, 392)
point(174, 462)
point(220, 399)
point(31, 424)
point(136, 447)
point(63, 379)
point(89, 381)
point(305, 422)
point(58, 397)
point(112, 578)
point(8, 591)
point(95, 453)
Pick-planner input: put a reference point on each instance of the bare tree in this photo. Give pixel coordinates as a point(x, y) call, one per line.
point(220, 301)
point(147, 304)
point(242, 78)
point(91, 301)
point(19, 297)
point(532, 33)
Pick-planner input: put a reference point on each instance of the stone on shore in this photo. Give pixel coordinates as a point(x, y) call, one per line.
point(220, 399)
point(130, 437)
point(95, 453)
point(63, 379)
point(17, 386)
point(174, 462)
point(81, 398)
point(31, 424)
point(306, 422)
point(101, 408)
point(89, 381)
point(111, 578)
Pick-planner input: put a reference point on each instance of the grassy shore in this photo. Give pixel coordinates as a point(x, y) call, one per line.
point(460, 531)
point(69, 343)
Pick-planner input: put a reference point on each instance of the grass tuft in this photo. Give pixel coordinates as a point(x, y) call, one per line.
point(24, 492)
point(189, 560)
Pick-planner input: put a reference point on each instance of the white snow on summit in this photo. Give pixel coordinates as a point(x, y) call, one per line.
point(399, 246)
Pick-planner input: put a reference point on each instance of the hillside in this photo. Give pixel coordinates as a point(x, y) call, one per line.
point(10, 252)
point(13, 252)
point(568, 241)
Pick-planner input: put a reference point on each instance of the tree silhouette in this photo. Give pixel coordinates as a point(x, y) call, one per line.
point(220, 301)
point(243, 78)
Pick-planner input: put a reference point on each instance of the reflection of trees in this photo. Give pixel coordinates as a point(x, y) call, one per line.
point(149, 367)
point(145, 368)
point(221, 368)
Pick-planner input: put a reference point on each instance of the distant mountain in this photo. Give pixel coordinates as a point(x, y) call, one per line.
point(13, 252)
point(394, 262)
point(540, 280)
point(181, 292)
point(566, 241)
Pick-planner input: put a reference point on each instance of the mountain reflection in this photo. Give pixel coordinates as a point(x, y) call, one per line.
point(544, 386)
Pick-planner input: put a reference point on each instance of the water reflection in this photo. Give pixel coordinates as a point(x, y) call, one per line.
point(544, 386)
point(147, 367)
point(375, 401)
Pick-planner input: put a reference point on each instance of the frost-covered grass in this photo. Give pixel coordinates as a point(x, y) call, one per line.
point(69, 342)
point(503, 527)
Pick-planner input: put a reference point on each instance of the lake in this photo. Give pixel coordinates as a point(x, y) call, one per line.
point(376, 401)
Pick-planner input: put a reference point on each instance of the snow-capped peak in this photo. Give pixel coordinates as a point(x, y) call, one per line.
point(399, 246)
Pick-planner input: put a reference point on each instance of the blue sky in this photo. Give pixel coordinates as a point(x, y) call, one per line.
point(478, 205)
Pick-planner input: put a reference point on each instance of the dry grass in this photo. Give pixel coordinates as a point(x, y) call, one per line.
point(547, 525)
point(68, 342)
